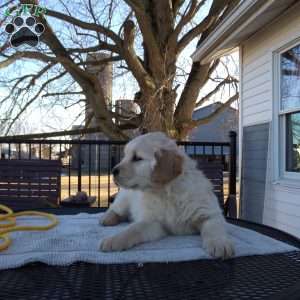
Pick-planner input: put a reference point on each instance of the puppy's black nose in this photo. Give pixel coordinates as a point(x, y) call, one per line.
point(115, 171)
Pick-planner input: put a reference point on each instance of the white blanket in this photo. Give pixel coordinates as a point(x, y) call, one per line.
point(77, 238)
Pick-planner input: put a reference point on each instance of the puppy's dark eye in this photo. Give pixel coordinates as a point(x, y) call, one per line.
point(136, 158)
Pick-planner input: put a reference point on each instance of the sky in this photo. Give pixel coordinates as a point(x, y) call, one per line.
point(43, 116)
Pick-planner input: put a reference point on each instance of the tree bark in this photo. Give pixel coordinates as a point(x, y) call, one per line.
point(184, 110)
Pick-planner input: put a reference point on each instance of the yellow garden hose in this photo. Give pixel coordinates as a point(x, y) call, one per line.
point(8, 224)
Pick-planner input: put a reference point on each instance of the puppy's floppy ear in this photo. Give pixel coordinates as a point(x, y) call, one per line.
point(168, 166)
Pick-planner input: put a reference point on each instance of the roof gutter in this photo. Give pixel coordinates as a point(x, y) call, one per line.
point(217, 42)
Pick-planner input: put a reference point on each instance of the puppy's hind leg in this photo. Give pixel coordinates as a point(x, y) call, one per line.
point(117, 212)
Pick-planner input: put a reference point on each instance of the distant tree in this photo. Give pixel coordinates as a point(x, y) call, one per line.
point(145, 37)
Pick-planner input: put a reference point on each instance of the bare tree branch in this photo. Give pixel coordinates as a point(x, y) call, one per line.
point(100, 62)
point(89, 26)
point(223, 83)
point(100, 46)
point(26, 54)
point(145, 24)
point(132, 60)
point(32, 100)
point(218, 111)
point(5, 5)
point(188, 15)
point(195, 32)
point(61, 94)
point(212, 17)
point(34, 77)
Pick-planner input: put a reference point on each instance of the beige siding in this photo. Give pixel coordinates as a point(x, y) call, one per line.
point(282, 202)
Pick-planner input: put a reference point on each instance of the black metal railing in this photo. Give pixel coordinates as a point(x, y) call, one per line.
point(87, 164)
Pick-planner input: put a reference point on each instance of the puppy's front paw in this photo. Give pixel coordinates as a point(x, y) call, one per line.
point(114, 243)
point(110, 218)
point(221, 247)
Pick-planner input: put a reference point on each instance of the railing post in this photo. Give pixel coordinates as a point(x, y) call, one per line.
point(231, 201)
point(79, 168)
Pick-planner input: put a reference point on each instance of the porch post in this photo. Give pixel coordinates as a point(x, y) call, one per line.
point(231, 201)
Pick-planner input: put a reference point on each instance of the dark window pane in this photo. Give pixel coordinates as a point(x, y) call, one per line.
point(293, 142)
point(290, 78)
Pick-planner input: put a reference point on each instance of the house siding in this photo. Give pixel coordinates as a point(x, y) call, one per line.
point(257, 66)
point(281, 205)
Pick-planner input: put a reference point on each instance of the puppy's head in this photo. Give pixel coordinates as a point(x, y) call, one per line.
point(151, 161)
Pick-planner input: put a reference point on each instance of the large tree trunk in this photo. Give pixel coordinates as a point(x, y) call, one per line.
point(158, 111)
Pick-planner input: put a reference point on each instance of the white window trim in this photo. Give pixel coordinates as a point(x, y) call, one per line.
point(279, 123)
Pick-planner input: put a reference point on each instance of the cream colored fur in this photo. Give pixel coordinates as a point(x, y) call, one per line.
point(185, 205)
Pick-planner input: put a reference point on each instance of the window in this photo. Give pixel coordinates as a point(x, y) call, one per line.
point(293, 142)
point(289, 110)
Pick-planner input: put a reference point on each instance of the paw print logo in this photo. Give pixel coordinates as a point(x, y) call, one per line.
point(24, 30)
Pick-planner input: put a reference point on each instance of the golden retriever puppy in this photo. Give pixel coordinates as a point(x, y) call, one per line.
point(163, 193)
